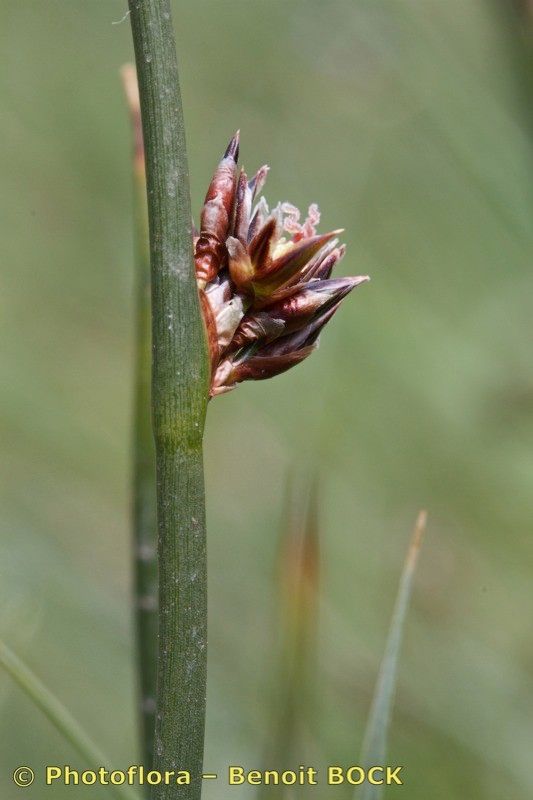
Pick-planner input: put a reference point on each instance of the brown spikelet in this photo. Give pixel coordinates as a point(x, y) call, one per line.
point(264, 278)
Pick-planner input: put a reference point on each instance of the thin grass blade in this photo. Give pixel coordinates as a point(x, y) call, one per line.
point(298, 581)
point(144, 517)
point(374, 751)
point(59, 716)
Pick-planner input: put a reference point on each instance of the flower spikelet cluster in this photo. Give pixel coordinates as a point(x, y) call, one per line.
point(264, 277)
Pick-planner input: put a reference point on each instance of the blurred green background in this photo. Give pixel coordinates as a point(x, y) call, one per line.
point(407, 120)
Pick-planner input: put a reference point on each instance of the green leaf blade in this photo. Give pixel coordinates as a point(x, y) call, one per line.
point(374, 750)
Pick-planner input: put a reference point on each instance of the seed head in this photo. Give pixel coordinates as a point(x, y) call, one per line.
point(263, 276)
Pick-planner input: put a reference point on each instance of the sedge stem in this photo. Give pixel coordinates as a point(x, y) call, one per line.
point(180, 384)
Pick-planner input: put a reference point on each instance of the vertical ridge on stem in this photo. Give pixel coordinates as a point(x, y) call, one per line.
point(180, 385)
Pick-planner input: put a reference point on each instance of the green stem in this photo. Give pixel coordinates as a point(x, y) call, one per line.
point(144, 519)
point(180, 378)
point(59, 716)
